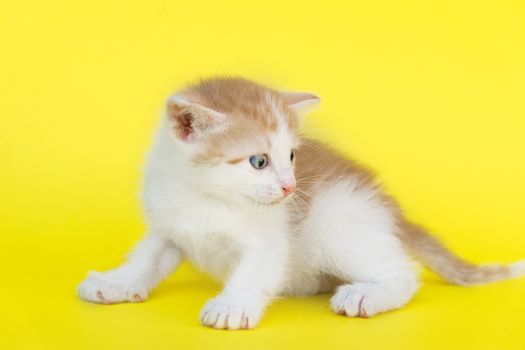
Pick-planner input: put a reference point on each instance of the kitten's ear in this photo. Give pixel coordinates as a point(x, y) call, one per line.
point(191, 120)
point(300, 101)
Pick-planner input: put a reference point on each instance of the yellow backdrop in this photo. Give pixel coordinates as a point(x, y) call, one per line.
point(430, 94)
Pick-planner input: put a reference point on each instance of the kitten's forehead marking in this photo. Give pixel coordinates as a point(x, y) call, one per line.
point(244, 101)
point(258, 118)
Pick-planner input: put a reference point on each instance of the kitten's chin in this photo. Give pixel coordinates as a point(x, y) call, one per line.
point(269, 203)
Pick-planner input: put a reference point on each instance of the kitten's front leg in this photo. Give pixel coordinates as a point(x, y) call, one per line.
point(150, 262)
point(253, 284)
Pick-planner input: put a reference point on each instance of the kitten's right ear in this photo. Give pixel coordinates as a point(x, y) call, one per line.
point(300, 101)
point(190, 120)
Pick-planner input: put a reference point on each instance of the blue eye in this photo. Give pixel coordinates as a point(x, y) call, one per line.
point(259, 161)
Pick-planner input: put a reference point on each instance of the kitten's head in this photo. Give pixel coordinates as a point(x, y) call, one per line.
point(239, 138)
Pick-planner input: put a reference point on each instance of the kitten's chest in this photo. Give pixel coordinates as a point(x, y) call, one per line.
point(214, 253)
point(206, 235)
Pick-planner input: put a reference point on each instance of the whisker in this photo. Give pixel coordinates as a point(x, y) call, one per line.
point(304, 192)
point(303, 201)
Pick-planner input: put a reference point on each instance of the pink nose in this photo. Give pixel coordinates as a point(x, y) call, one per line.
point(288, 189)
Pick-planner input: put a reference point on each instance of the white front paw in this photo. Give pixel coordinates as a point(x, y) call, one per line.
point(110, 288)
point(227, 312)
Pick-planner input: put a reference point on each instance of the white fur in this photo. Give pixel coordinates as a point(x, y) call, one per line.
point(215, 216)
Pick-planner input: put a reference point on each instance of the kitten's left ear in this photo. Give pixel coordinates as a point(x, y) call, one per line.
point(191, 121)
point(300, 101)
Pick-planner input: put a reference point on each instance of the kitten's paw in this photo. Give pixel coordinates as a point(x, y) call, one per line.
point(225, 312)
point(358, 300)
point(111, 288)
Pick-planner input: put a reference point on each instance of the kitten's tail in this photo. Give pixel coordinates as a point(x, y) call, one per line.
point(452, 268)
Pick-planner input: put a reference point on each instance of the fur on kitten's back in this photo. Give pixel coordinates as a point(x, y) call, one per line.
point(232, 186)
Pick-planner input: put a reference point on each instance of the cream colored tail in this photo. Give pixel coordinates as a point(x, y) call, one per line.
point(452, 268)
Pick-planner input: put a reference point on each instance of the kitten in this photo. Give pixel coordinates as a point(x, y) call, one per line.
point(231, 186)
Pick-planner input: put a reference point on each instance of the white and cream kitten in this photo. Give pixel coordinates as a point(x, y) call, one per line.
point(231, 186)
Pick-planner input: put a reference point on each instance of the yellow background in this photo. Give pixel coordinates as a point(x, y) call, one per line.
point(429, 93)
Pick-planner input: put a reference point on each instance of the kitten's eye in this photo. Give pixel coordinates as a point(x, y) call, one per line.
point(292, 156)
point(259, 161)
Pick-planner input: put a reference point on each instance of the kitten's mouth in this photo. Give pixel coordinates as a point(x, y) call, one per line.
point(277, 201)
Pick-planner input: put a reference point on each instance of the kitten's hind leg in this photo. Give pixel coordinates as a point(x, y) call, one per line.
point(377, 273)
point(366, 299)
point(149, 263)
point(354, 235)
